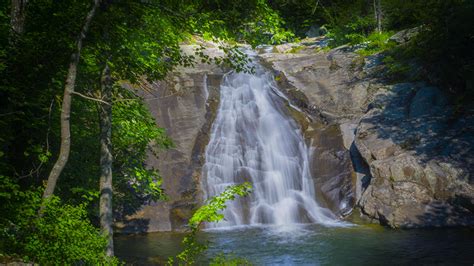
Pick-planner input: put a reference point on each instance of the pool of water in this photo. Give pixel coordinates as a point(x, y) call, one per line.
point(313, 245)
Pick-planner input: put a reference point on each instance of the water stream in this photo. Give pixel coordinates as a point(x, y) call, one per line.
point(254, 139)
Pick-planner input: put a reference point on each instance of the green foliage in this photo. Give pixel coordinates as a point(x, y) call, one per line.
point(445, 45)
point(134, 133)
point(267, 29)
point(295, 49)
point(209, 212)
point(354, 32)
point(251, 21)
point(376, 43)
point(61, 235)
point(397, 69)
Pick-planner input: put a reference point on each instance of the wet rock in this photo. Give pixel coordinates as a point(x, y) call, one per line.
point(325, 79)
point(331, 168)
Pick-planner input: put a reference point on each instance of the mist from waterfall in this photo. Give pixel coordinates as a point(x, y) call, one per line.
point(253, 139)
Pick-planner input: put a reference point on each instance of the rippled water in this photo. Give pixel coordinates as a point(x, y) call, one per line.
point(314, 245)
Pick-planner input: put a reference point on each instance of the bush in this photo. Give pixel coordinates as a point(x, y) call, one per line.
point(64, 235)
point(61, 235)
point(352, 33)
point(376, 42)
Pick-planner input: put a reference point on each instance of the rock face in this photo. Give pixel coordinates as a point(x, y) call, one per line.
point(184, 104)
point(402, 153)
point(404, 35)
point(411, 153)
point(420, 157)
point(317, 83)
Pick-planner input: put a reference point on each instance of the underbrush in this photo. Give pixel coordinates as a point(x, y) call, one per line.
point(61, 235)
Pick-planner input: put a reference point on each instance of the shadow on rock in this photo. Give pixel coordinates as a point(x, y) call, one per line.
point(420, 153)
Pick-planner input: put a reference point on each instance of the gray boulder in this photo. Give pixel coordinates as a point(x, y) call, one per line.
point(404, 36)
point(412, 142)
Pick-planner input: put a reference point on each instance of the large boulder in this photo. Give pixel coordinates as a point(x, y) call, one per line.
point(404, 36)
point(420, 156)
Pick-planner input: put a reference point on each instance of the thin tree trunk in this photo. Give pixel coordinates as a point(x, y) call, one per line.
point(18, 16)
point(378, 14)
point(66, 106)
point(106, 190)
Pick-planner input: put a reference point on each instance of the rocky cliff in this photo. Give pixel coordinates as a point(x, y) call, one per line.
point(401, 153)
point(185, 104)
point(411, 150)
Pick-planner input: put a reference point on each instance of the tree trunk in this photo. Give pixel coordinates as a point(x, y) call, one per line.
point(17, 16)
point(378, 14)
point(106, 190)
point(66, 107)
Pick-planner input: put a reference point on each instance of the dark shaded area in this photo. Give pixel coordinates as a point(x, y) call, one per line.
point(440, 214)
point(417, 137)
point(420, 119)
point(331, 169)
point(135, 226)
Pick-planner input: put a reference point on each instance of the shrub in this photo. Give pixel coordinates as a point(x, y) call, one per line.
point(61, 235)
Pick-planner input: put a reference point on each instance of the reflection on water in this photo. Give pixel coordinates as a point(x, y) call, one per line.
point(313, 245)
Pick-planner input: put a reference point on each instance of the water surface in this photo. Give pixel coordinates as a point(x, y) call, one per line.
point(314, 245)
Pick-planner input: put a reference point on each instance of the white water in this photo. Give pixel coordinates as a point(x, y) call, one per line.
point(253, 139)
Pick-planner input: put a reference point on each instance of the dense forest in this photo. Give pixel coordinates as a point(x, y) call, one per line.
point(74, 139)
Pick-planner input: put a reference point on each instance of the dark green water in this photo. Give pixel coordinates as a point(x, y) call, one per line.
point(314, 245)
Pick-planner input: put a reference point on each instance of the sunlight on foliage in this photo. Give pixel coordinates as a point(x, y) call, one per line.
point(134, 130)
point(209, 212)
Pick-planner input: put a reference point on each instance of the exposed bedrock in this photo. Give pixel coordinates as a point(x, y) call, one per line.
point(401, 153)
point(411, 152)
point(185, 104)
point(420, 156)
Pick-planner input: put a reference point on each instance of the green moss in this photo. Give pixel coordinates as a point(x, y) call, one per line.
point(295, 50)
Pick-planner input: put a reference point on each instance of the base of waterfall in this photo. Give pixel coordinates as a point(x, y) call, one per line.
point(278, 228)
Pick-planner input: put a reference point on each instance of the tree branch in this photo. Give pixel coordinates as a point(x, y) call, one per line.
point(90, 98)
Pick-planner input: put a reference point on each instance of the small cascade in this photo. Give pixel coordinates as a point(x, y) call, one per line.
point(206, 90)
point(253, 139)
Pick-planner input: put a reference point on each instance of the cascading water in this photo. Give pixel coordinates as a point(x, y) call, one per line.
point(253, 139)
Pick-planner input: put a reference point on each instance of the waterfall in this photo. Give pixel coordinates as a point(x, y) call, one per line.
point(253, 139)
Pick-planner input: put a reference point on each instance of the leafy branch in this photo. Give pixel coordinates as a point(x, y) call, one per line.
point(209, 212)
